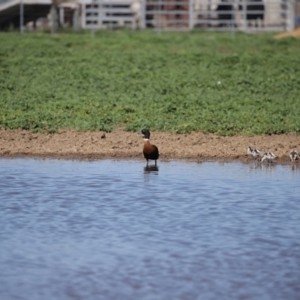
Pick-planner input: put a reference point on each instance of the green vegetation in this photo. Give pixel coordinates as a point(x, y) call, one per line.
point(178, 82)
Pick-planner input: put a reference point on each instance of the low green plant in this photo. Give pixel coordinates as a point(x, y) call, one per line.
point(177, 82)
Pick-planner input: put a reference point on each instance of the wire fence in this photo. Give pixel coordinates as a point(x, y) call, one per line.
point(246, 15)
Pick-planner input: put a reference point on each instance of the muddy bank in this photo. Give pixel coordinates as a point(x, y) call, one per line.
point(121, 144)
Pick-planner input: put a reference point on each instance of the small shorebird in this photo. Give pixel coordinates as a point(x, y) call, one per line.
point(294, 155)
point(254, 152)
point(150, 151)
point(269, 156)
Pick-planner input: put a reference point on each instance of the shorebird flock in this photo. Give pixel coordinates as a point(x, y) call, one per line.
point(269, 156)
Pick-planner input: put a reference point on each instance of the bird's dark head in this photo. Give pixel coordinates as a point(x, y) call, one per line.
point(146, 133)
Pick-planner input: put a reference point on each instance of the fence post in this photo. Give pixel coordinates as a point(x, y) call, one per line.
point(54, 16)
point(101, 13)
point(83, 16)
point(291, 15)
point(76, 18)
point(143, 14)
point(62, 16)
point(191, 14)
point(21, 16)
point(232, 23)
point(244, 14)
point(159, 16)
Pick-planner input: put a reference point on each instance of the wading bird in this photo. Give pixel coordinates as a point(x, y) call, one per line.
point(254, 152)
point(294, 155)
point(150, 151)
point(269, 156)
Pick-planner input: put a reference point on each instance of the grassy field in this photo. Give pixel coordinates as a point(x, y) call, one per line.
point(178, 82)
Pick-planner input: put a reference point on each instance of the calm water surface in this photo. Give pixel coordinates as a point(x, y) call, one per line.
point(113, 230)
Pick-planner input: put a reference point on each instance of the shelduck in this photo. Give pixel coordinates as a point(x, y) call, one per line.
point(150, 151)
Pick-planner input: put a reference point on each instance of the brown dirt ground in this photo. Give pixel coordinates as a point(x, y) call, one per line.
point(68, 144)
point(294, 33)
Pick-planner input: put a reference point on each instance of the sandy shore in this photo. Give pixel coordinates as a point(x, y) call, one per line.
point(70, 144)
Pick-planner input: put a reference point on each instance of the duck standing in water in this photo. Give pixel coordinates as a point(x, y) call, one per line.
point(269, 156)
point(150, 151)
point(254, 152)
point(294, 155)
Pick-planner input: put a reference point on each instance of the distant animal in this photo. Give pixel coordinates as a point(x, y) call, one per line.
point(136, 12)
point(254, 11)
point(225, 11)
point(294, 155)
point(254, 152)
point(150, 151)
point(269, 156)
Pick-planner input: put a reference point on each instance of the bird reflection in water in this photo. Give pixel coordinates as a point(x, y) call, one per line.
point(149, 169)
point(294, 166)
point(267, 167)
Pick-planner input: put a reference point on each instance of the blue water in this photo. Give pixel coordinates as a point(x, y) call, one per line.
point(113, 230)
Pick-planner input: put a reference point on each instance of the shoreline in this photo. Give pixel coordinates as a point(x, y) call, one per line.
point(120, 144)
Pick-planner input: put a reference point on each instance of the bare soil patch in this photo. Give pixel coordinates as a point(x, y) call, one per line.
point(294, 33)
point(70, 144)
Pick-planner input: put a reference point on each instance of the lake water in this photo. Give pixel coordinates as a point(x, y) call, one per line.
point(113, 230)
